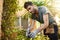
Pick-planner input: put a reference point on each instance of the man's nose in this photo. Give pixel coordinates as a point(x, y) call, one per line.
point(30, 11)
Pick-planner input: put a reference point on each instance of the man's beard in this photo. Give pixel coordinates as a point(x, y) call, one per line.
point(34, 12)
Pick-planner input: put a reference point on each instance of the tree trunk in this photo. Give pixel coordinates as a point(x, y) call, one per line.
point(1, 8)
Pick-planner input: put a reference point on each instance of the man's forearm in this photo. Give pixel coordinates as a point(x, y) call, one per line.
point(42, 27)
point(31, 24)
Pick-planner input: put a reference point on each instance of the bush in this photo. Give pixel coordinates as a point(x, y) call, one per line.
point(22, 36)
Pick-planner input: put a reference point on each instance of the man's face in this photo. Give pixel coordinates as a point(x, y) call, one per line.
point(31, 9)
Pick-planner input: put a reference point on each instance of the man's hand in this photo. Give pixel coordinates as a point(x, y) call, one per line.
point(33, 34)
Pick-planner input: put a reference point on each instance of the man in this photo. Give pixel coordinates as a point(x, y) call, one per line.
point(42, 15)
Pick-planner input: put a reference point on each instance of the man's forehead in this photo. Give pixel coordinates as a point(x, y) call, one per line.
point(29, 6)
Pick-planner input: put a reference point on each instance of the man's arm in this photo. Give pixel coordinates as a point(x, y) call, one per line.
point(32, 24)
point(45, 12)
point(43, 26)
point(46, 22)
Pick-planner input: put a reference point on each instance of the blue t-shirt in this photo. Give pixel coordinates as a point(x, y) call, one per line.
point(43, 10)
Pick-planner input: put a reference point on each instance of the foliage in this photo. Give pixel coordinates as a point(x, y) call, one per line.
point(26, 16)
point(40, 3)
point(21, 36)
point(8, 18)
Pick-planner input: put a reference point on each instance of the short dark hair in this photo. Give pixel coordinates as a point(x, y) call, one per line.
point(26, 4)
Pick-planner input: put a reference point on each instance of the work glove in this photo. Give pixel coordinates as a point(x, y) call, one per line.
point(28, 31)
point(34, 33)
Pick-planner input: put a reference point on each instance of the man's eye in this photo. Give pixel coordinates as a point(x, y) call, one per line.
point(29, 8)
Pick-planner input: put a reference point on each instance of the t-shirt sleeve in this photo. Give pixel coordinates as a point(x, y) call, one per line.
point(45, 10)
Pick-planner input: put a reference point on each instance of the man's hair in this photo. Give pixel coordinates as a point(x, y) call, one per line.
point(26, 4)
